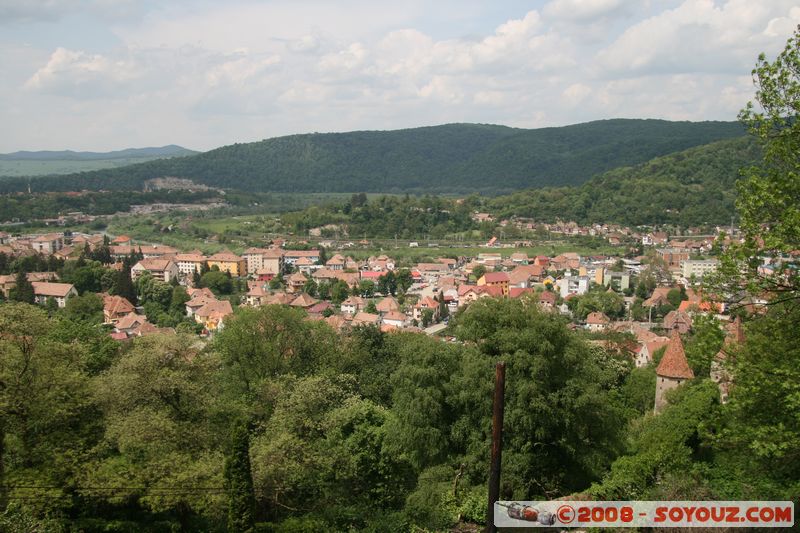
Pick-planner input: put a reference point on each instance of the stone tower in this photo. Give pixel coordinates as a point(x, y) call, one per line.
point(672, 370)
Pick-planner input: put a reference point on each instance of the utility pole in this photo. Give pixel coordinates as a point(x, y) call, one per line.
point(497, 443)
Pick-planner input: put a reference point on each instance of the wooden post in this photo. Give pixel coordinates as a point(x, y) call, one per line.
point(497, 443)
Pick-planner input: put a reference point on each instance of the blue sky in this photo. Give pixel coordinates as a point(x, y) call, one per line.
point(111, 74)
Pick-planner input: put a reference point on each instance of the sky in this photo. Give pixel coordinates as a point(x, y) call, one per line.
point(111, 74)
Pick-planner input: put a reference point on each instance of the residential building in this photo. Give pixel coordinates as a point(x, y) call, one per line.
point(597, 322)
point(547, 299)
point(47, 244)
point(290, 256)
point(573, 285)
point(304, 300)
point(60, 292)
point(115, 307)
point(228, 262)
point(647, 350)
point(673, 256)
point(353, 305)
point(366, 319)
point(296, 282)
point(257, 296)
point(426, 303)
point(335, 263)
point(678, 320)
point(698, 267)
point(619, 281)
point(387, 305)
point(495, 279)
point(395, 318)
point(263, 261)
point(9, 281)
point(161, 269)
point(190, 263)
point(212, 314)
point(130, 324)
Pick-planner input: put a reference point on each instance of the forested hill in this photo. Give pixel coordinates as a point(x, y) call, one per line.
point(693, 187)
point(449, 158)
point(171, 150)
point(46, 162)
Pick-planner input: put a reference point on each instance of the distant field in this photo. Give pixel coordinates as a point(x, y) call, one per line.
point(17, 168)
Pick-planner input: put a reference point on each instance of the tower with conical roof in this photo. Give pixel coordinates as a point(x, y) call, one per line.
point(672, 370)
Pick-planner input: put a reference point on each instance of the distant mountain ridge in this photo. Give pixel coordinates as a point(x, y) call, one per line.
point(65, 162)
point(452, 158)
point(171, 150)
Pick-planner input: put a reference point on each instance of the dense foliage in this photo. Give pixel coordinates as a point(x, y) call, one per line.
point(446, 159)
point(24, 207)
point(405, 217)
point(159, 429)
point(690, 188)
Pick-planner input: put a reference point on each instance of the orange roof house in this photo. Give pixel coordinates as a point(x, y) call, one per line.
point(115, 307)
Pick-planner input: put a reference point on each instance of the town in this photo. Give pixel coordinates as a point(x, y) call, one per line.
point(645, 297)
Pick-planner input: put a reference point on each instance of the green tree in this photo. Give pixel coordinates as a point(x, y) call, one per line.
point(662, 445)
point(339, 292)
point(365, 289)
point(239, 482)
point(404, 280)
point(418, 432)
point(46, 410)
point(427, 317)
point(769, 193)
point(562, 427)
point(259, 345)
point(123, 284)
point(219, 282)
point(158, 404)
point(704, 344)
point(88, 307)
point(22, 290)
point(311, 288)
point(674, 297)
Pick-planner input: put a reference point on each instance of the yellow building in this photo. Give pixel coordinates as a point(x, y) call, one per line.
point(228, 262)
point(495, 279)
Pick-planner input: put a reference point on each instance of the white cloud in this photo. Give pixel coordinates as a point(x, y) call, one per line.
point(697, 36)
point(241, 70)
point(442, 89)
point(585, 10)
point(223, 73)
point(305, 44)
point(576, 93)
point(82, 75)
point(350, 58)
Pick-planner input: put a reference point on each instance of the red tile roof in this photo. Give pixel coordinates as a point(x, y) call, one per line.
point(674, 363)
point(495, 277)
point(44, 288)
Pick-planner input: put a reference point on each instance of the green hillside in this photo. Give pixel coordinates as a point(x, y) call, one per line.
point(451, 158)
point(692, 187)
point(43, 163)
